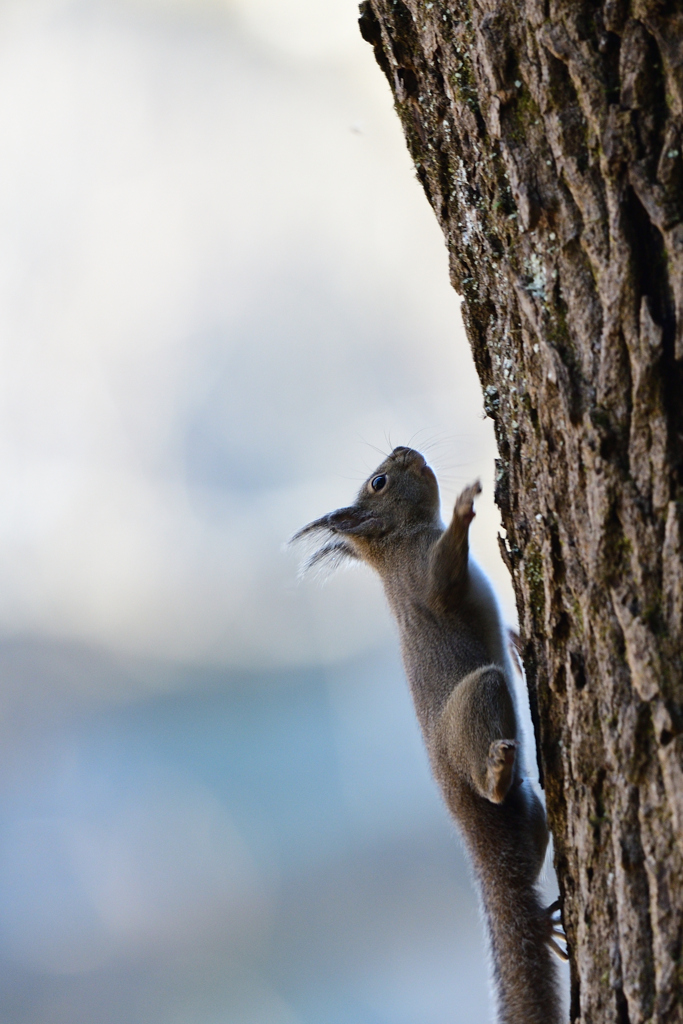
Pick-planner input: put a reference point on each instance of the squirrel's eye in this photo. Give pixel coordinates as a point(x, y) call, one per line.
point(378, 482)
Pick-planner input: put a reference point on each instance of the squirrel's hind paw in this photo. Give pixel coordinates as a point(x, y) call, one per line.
point(499, 768)
point(555, 930)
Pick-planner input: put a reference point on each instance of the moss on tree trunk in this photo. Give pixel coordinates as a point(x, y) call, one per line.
point(548, 138)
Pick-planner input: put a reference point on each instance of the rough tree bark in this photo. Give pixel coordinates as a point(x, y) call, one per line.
point(548, 137)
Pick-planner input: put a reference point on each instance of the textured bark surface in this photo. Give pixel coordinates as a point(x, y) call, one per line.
point(549, 138)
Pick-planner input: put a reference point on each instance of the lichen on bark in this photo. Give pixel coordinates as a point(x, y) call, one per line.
point(548, 137)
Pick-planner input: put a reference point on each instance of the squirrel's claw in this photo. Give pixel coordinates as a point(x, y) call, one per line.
point(555, 930)
point(558, 951)
point(554, 910)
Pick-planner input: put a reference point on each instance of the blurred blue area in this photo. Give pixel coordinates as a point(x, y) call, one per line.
point(250, 848)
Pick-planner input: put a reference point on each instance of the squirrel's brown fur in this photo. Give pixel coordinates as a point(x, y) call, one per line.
point(455, 653)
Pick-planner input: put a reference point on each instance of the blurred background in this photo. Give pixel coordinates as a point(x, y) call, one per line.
point(221, 291)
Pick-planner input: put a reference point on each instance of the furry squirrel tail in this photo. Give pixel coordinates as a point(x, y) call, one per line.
point(507, 847)
point(524, 966)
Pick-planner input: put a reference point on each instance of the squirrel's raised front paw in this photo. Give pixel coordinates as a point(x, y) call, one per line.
point(464, 506)
point(499, 768)
point(555, 930)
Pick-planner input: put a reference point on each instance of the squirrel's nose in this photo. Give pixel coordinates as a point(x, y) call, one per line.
point(410, 457)
point(414, 455)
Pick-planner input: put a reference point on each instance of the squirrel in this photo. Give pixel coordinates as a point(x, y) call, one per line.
point(455, 654)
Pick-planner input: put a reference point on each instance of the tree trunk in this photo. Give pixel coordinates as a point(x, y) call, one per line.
point(548, 138)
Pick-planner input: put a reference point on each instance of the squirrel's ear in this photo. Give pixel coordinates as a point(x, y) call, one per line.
point(356, 522)
point(330, 556)
point(352, 521)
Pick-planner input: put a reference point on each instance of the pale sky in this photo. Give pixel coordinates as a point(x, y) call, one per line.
point(220, 284)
